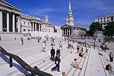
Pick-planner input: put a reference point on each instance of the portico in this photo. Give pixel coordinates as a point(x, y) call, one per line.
point(9, 18)
point(67, 30)
point(35, 26)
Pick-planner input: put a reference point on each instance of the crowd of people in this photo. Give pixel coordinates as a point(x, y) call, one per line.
point(81, 49)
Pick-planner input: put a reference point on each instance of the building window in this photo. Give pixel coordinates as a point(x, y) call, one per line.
point(101, 18)
point(24, 23)
point(28, 30)
point(98, 18)
point(101, 21)
point(104, 20)
point(107, 20)
point(107, 17)
point(28, 23)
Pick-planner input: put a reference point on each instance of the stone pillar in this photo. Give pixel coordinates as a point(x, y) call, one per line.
point(1, 22)
point(69, 32)
point(19, 23)
point(7, 22)
point(65, 32)
point(37, 26)
point(33, 26)
point(13, 22)
point(40, 27)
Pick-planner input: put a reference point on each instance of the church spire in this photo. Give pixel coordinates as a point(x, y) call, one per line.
point(70, 10)
point(70, 19)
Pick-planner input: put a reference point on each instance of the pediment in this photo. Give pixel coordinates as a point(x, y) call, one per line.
point(5, 4)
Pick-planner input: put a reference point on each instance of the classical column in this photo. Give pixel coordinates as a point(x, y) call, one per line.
point(31, 26)
point(13, 22)
point(1, 24)
point(69, 32)
point(65, 32)
point(7, 22)
point(62, 32)
point(19, 24)
point(35, 26)
point(40, 27)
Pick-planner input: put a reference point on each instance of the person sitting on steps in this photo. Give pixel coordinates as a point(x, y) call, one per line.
point(75, 64)
point(81, 54)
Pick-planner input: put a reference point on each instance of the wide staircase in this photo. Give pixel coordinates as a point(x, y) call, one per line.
point(25, 57)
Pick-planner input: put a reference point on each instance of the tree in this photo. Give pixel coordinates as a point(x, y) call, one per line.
point(109, 29)
point(93, 27)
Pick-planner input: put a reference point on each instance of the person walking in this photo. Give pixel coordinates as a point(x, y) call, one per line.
point(57, 62)
point(58, 51)
point(111, 57)
point(38, 39)
point(61, 45)
point(21, 40)
point(44, 47)
point(71, 48)
point(52, 53)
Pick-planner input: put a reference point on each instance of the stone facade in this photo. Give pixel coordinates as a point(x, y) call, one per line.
point(12, 21)
point(69, 30)
point(104, 20)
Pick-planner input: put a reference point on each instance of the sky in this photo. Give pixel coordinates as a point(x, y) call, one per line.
point(84, 11)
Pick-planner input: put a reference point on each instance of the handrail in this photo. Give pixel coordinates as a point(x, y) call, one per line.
point(24, 64)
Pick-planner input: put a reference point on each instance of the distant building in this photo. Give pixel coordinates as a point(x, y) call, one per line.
point(69, 30)
point(104, 20)
point(15, 24)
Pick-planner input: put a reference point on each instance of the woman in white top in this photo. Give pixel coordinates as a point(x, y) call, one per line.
point(76, 64)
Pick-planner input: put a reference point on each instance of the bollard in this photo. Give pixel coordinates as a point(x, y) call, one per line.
point(10, 61)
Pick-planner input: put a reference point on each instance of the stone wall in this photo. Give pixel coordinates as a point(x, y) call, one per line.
point(43, 34)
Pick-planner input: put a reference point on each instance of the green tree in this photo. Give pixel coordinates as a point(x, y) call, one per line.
point(93, 27)
point(109, 29)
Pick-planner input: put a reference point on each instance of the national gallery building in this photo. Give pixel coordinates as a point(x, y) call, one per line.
point(14, 24)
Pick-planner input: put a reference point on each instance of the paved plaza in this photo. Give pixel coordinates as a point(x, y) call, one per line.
point(31, 53)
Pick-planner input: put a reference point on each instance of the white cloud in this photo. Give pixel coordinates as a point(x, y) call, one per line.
point(41, 11)
point(83, 22)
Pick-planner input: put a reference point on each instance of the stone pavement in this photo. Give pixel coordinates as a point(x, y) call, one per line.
point(30, 52)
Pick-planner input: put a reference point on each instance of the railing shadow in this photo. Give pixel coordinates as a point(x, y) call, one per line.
point(19, 67)
point(22, 63)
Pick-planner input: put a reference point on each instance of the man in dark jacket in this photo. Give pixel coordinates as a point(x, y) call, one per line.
point(58, 51)
point(57, 62)
point(52, 53)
